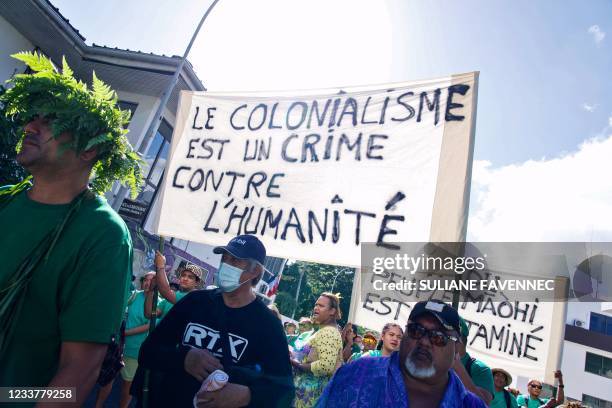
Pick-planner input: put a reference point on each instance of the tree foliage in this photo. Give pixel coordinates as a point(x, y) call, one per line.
point(90, 116)
point(10, 171)
point(317, 278)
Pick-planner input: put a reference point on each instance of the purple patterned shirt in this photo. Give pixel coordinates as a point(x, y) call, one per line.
point(377, 382)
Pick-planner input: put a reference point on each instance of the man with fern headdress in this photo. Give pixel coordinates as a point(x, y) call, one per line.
point(66, 256)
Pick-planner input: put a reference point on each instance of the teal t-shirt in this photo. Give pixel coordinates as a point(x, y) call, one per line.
point(78, 295)
point(499, 401)
point(164, 306)
point(527, 401)
point(480, 373)
point(135, 318)
point(371, 353)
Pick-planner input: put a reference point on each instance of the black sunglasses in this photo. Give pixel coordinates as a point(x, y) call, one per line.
point(437, 338)
point(535, 386)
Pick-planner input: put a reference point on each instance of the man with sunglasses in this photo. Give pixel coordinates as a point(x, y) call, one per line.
point(419, 375)
point(534, 388)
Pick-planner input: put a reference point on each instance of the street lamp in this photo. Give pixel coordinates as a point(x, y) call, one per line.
point(297, 293)
point(346, 271)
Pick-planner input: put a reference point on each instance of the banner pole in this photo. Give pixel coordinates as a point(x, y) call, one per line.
point(152, 323)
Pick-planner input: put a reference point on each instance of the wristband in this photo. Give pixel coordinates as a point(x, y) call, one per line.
point(561, 386)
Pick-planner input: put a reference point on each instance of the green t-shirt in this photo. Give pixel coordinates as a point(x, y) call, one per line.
point(527, 401)
point(79, 295)
point(135, 318)
point(164, 306)
point(291, 338)
point(499, 401)
point(480, 373)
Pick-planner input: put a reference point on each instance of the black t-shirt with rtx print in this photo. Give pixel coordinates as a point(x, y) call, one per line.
point(258, 350)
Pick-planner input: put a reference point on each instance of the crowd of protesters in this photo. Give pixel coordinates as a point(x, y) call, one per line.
point(64, 287)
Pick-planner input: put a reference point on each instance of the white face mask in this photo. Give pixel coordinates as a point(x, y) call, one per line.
point(228, 277)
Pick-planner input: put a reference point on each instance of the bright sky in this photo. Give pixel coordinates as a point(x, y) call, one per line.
point(544, 127)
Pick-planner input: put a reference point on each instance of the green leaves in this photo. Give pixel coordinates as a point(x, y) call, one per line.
point(36, 62)
point(66, 71)
point(98, 140)
point(101, 91)
point(90, 116)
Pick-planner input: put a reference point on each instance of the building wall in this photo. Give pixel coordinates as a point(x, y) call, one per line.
point(11, 41)
point(201, 251)
point(577, 380)
point(142, 116)
point(581, 311)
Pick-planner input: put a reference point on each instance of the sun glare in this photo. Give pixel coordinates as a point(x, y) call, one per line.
point(291, 44)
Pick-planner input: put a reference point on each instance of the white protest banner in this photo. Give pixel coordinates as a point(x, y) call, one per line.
point(515, 306)
point(315, 173)
point(521, 337)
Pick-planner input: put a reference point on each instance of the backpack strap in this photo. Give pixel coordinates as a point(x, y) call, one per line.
point(507, 398)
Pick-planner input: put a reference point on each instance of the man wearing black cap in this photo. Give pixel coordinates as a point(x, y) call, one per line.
point(419, 375)
point(228, 329)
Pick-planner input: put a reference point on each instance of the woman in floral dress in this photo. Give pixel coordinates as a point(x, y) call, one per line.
point(322, 354)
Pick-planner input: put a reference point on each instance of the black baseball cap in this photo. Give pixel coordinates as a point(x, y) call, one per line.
point(445, 314)
point(244, 247)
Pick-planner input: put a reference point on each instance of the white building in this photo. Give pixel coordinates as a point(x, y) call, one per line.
point(587, 353)
point(139, 79)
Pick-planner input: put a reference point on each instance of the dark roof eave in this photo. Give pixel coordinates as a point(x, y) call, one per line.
point(152, 61)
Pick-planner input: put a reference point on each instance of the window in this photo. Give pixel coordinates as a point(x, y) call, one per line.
point(131, 106)
point(595, 402)
point(155, 162)
point(601, 324)
point(599, 365)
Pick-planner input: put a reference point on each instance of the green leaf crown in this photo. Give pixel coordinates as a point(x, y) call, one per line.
point(91, 116)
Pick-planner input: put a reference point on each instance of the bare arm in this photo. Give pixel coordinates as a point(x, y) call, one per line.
point(347, 337)
point(137, 330)
point(560, 397)
point(149, 305)
point(162, 279)
point(79, 367)
point(465, 378)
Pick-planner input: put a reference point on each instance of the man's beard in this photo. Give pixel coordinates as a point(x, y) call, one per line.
point(418, 372)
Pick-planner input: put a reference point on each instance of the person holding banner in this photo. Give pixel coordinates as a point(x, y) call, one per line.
point(474, 373)
point(419, 375)
point(534, 388)
point(66, 255)
point(322, 355)
point(190, 278)
point(227, 329)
